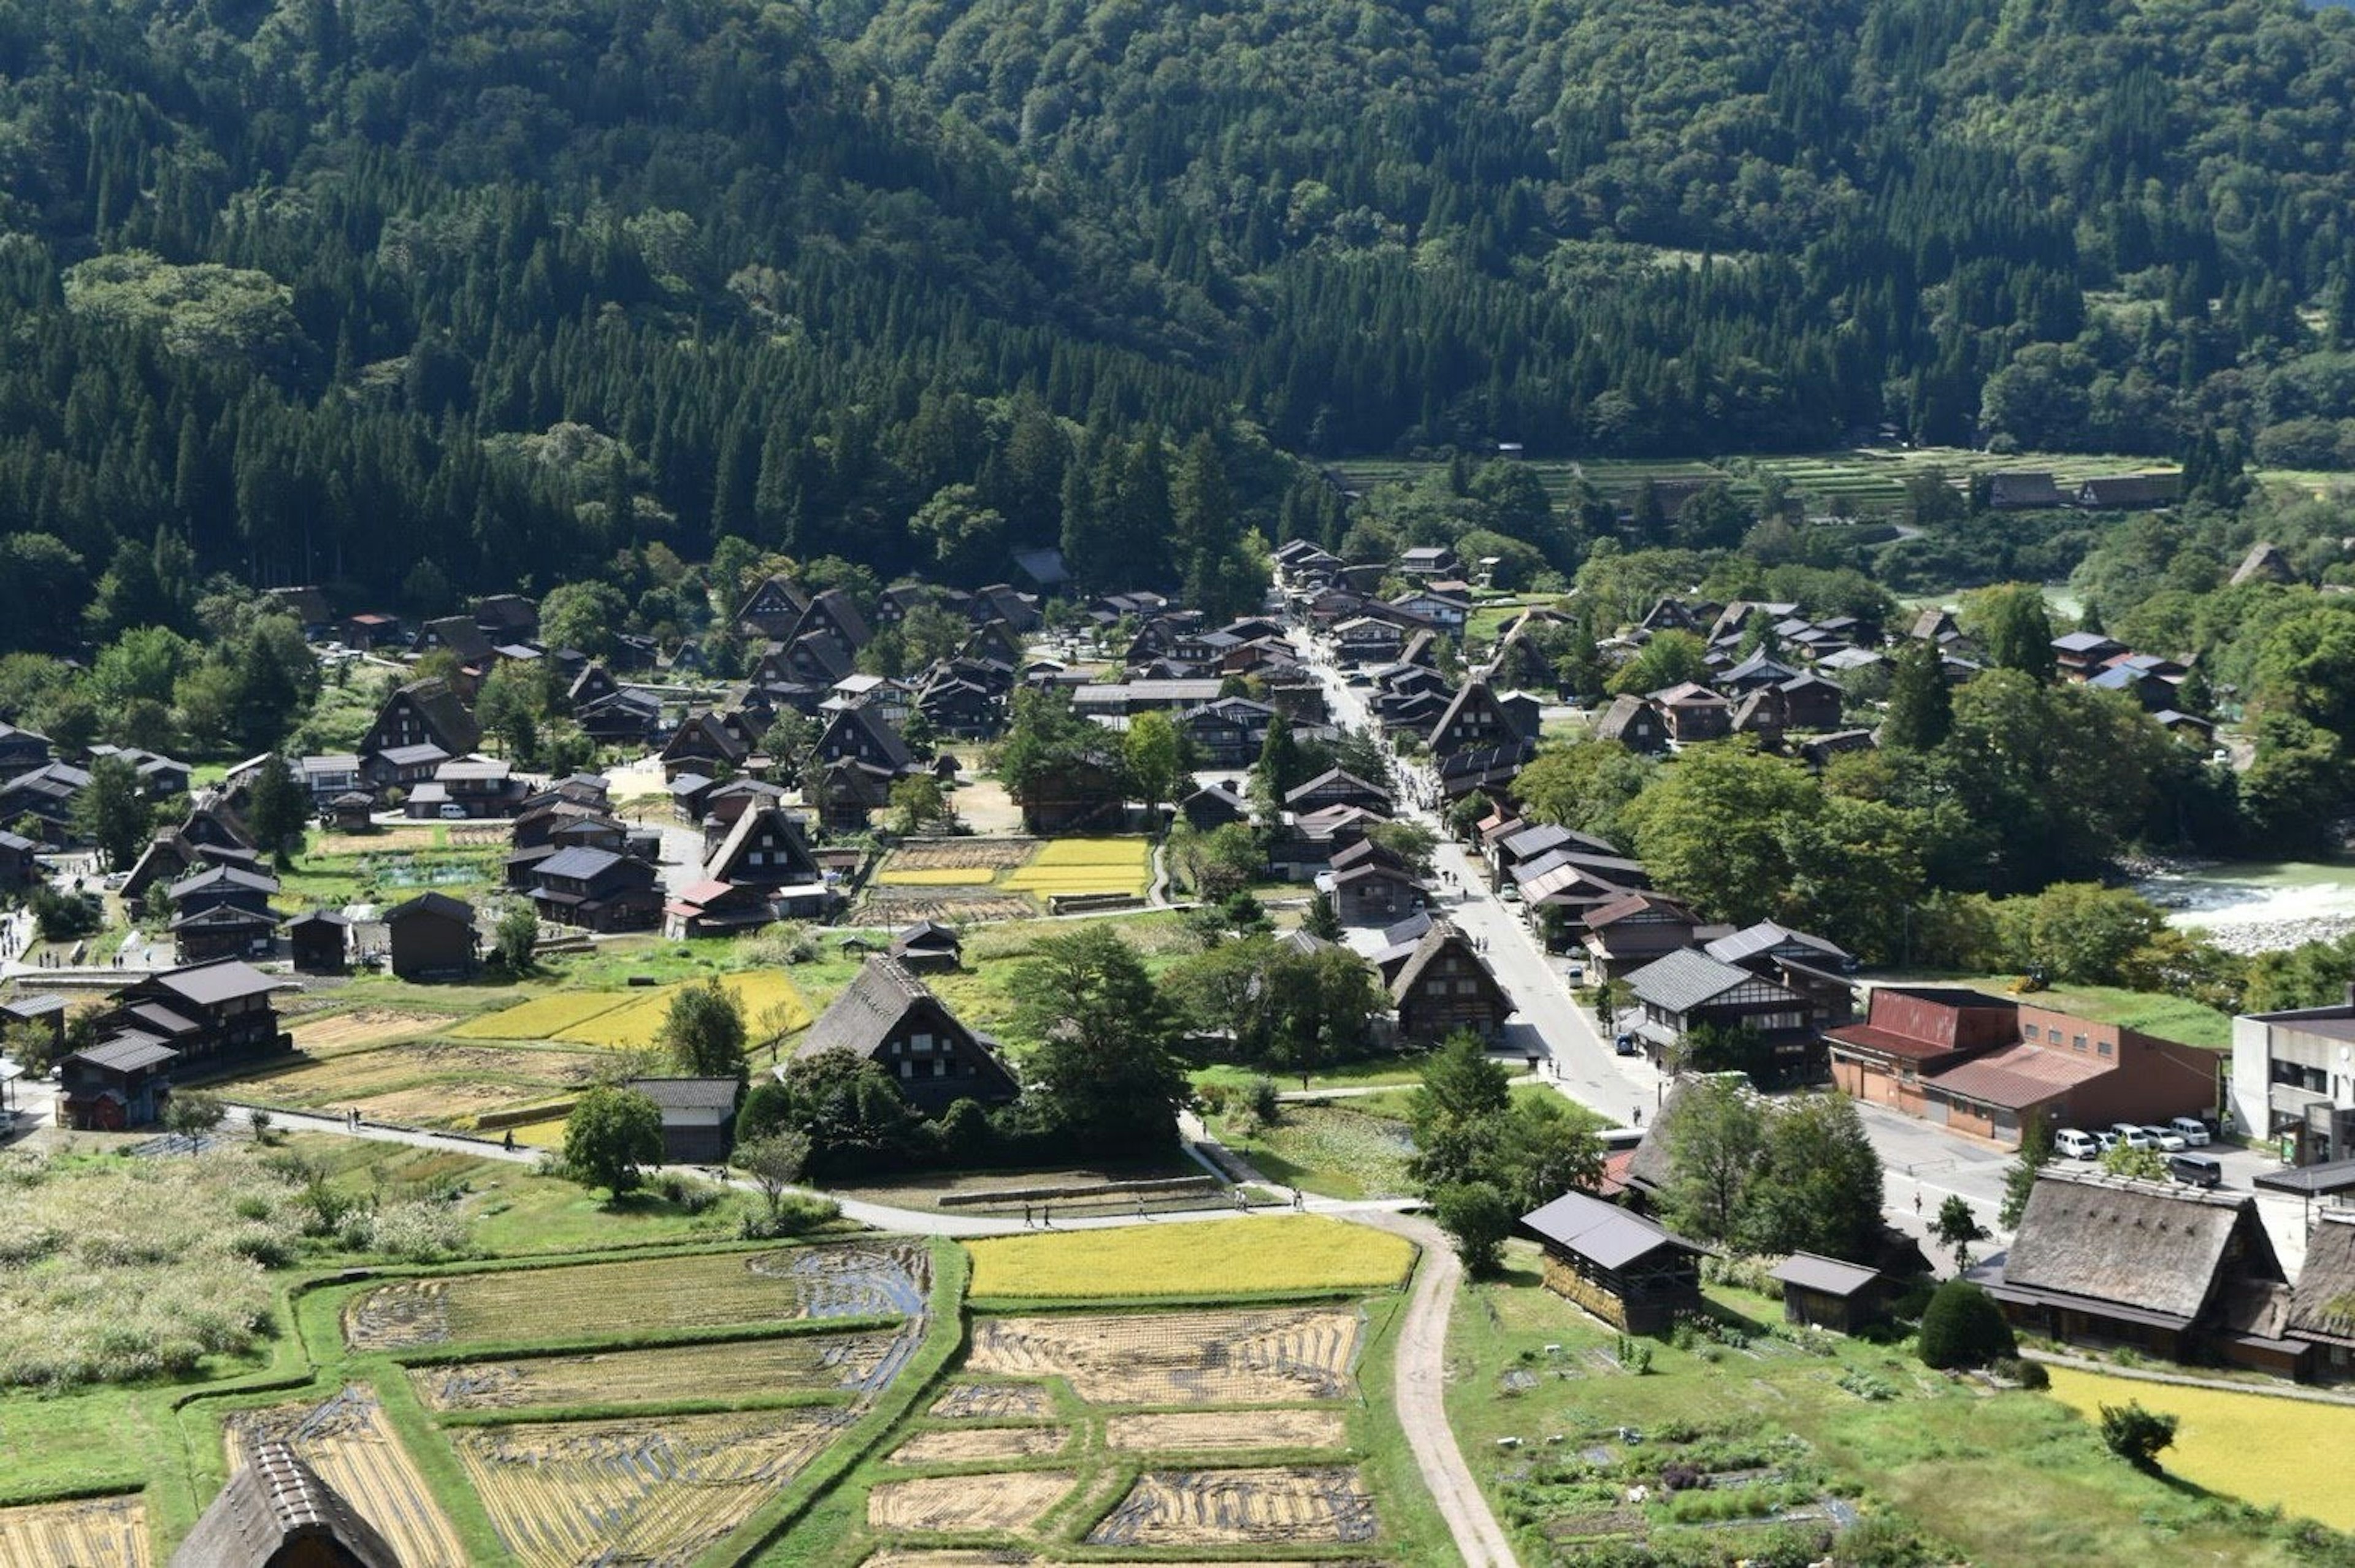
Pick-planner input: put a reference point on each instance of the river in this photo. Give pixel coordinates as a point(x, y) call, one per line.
point(2254, 906)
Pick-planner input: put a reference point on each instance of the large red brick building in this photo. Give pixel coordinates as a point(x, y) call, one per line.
point(1984, 1065)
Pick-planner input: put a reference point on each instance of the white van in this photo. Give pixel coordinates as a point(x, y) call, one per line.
point(2075, 1144)
point(2191, 1130)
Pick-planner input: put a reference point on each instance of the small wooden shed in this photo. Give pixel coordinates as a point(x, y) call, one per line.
point(319, 940)
point(1824, 1293)
point(1627, 1271)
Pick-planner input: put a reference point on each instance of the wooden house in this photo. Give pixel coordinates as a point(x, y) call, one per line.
point(928, 946)
point(772, 610)
point(123, 1081)
point(212, 1014)
point(1445, 986)
point(890, 1018)
point(1695, 713)
point(1475, 719)
point(769, 850)
point(1088, 792)
point(1628, 934)
point(1372, 887)
point(1335, 787)
point(2322, 1307)
point(1636, 723)
point(698, 1116)
point(421, 713)
point(318, 941)
point(1824, 1293)
point(597, 889)
point(1688, 990)
point(276, 1513)
point(713, 908)
point(431, 937)
point(2176, 1271)
point(1631, 1272)
point(1213, 806)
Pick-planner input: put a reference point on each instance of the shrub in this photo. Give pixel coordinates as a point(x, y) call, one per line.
point(2135, 1435)
point(1261, 1092)
point(2027, 1374)
point(795, 1215)
point(1964, 1328)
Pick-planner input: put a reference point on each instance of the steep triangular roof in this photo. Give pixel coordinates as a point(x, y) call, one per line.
point(276, 1509)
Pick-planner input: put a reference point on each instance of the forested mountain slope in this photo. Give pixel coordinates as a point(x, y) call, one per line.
point(339, 286)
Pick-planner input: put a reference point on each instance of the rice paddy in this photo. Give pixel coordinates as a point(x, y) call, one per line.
point(795, 1363)
point(632, 1019)
point(1009, 1500)
point(1226, 1508)
point(1182, 1359)
point(94, 1532)
point(1025, 867)
point(652, 1492)
point(1289, 1254)
point(2262, 1450)
point(707, 1291)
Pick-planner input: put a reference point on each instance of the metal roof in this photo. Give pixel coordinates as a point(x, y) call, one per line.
point(1828, 1276)
point(1610, 1235)
point(129, 1052)
point(1683, 980)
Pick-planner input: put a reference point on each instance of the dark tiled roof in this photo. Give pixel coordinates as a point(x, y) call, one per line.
point(1611, 1236)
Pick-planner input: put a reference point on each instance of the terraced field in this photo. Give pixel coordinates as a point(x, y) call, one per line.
point(632, 1019)
point(653, 1492)
point(845, 1363)
point(1218, 1357)
point(94, 1532)
point(708, 1291)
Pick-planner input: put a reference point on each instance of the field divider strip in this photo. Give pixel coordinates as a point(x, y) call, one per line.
point(562, 1414)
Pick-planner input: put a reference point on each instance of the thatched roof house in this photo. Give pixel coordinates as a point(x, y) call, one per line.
point(2322, 1307)
point(2173, 1271)
point(276, 1511)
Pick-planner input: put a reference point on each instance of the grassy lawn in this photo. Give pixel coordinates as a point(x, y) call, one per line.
point(1329, 1149)
point(2003, 1479)
point(2170, 1018)
point(1370, 1071)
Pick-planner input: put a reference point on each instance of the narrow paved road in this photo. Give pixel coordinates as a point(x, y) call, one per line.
point(1419, 1393)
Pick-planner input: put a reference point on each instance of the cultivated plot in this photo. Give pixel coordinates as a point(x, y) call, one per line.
point(974, 1445)
point(93, 1532)
point(992, 1402)
point(611, 1020)
point(351, 1445)
point(653, 1492)
point(710, 1290)
point(1218, 1356)
point(1208, 1430)
point(1224, 1508)
point(848, 1363)
point(1008, 1499)
point(361, 1027)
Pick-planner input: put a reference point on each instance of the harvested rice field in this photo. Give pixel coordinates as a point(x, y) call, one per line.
point(992, 1402)
point(364, 1027)
point(1208, 1430)
point(795, 1363)
point(1011, 1499)
point(629, 1019)
point(1228, 1508)
point(898, 906)
point(974, 859)
point(1289, 1254)
point(1016, 867)
point(426, 1080)
point(1217, 1357)
point(967, 1445)
point(708, 1291)
point(93, 1532)
point(2270, 1452)
point(654, 1492)
point(349, 1441)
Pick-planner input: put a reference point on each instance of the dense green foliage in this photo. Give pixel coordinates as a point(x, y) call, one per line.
point(1963, 1327)
point(425, 295)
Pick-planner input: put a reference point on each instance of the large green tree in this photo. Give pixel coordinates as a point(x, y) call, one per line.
point(1104, 1074)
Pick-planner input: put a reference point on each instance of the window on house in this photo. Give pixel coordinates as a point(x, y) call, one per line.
point(2053, 1036)
point(2078, 1043)
point(2103, 1049)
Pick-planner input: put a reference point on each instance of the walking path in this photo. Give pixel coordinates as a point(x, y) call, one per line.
point(1419, 1393)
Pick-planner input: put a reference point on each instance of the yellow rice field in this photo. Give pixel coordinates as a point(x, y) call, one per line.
point(1239, 1257)
point(95, 1532)
point(630, 1019)
point(542, 1018)
point(2260, 1449)
point(1086, 866)
point(923, 877)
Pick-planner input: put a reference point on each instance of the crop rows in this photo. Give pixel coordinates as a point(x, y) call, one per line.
point(96, 1532)
point(708, 1291)
point(1217, 1357)
point(653, 1492)
point(1006, 1500)
point(853, 1363)
point(1220, 1508)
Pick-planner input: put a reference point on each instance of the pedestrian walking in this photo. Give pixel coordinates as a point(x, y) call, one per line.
point(1026, 1216)
point(1639, 1118)
point(1046, 1216)
point(1917, 1201)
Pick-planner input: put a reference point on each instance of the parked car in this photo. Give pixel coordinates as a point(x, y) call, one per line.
point(2069, 1141)
point(2192, 1130)
point(453, 811)
point(1624, 1045)
point(2134, 1136)
point(2169, 1141)
point(2195, 1169)
point(2103, 1142)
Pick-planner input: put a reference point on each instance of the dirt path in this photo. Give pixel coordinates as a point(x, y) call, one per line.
point(1420, 1390)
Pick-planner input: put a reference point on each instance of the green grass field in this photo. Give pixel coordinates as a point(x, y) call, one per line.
point(2007, 1480)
